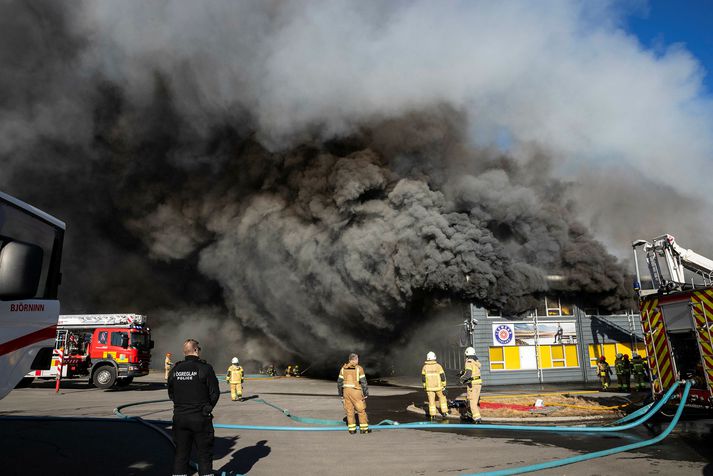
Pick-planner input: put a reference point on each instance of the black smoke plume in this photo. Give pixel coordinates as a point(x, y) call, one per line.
point(307, 248)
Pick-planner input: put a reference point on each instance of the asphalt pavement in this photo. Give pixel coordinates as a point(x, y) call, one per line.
point(104, 445)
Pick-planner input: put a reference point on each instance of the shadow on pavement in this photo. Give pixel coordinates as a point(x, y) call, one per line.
point(73, 447)
point(243, 460)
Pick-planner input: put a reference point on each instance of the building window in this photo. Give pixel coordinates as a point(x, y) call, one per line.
point(555, 308)
point(558, 356)
point(518, 357)
point(610, 350)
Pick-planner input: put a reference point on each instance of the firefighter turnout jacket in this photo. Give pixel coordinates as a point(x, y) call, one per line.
point(471, 372)
point(433, 377)
point(235, 374)
point(352, 376)
point(193, 387)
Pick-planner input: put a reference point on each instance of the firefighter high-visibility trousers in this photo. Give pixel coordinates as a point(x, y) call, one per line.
point(236, 391)
point(432, 402)
point(473, 399)
point(168, 369)
point(354, 402)
point(605, 380)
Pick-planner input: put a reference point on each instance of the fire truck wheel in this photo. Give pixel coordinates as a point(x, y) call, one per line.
point(124, 382)
point(105, 376)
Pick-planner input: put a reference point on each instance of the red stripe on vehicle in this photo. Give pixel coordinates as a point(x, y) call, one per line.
point(28, 339)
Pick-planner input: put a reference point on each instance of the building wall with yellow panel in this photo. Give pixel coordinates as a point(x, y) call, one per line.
point(570, 360)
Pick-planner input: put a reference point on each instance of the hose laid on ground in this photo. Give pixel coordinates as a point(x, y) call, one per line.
point(635, 414)
point(597, 454)
point(388, 425)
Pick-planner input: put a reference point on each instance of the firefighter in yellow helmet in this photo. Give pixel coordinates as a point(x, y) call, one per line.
point(235, 377)
point(471, 378)
point(288, 371)
point(433, 378)
point(167, 364)
point(352, 387)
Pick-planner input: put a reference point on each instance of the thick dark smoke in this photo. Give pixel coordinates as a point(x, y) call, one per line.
point(325, 241)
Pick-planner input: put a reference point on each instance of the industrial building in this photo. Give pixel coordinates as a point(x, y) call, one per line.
point(557, 342)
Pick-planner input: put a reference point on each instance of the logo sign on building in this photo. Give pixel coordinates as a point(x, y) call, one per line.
point(503, 334)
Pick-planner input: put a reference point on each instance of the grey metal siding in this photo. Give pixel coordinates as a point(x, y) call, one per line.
point(590, 330)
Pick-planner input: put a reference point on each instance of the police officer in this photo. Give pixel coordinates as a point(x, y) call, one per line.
point(471, 378)
point(604, 371)
point(433, 378)
point(352, 387)
point(193, 387)
point(639, 368)
point(235, 378)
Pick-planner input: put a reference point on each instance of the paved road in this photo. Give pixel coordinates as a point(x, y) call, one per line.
point(109, 447)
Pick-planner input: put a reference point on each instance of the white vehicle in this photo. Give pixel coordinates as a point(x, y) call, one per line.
point(30, 258)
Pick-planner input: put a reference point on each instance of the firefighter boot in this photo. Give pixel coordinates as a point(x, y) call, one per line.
point(364, 431)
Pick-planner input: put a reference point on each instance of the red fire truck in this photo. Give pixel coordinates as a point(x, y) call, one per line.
point(110, 349)
point(676, 304)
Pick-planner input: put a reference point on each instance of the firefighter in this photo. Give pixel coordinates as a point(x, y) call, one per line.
point(296, 371)
point(619, 369)
point(471, 378)
point(288, 371)
point(193, 388)
point(626, 365)
point(433, 378)
point(167, 365)
point(235, 378)
point(271, 370)
point(604, 371)
point(639, 368)
point(352, 387)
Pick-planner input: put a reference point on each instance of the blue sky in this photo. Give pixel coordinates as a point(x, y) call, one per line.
point(661, 23)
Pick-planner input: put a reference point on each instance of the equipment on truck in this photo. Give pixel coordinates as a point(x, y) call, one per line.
point(30, 258)
point(677, 317)
point(110, 349)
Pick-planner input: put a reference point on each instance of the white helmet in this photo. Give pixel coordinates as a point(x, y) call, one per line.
point(235, 360)
point(431, 356)
point(469, 352)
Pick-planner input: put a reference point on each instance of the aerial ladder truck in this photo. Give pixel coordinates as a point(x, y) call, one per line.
point(676, 305)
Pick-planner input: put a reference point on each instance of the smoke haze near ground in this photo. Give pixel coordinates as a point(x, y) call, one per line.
point(316, 175)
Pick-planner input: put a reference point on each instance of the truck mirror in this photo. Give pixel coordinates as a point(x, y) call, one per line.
point(151, 344)
point(20, 270)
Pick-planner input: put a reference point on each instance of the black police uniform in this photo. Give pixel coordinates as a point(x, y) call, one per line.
point(193, 387)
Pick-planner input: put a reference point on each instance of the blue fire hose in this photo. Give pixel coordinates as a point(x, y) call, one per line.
point(336, 425)
point(640, 416)
point(597, 454)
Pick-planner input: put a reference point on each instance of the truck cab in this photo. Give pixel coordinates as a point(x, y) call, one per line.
point(127, 350)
